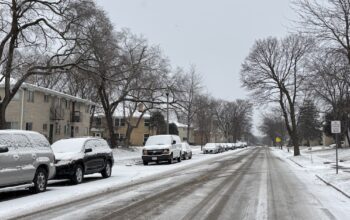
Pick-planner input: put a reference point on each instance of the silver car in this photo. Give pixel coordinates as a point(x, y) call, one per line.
point(26, 160)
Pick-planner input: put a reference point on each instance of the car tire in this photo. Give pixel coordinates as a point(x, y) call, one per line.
point(145, 163)
point(40, 181)
point(78, 175)
point(107, 171)
point(179, 159)
point(170, 161)
point(190, 156)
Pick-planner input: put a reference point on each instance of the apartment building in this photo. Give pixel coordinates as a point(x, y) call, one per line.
point(138, 136)
point(54, 114)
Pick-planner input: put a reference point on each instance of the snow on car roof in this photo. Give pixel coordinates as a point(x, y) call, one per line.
point(14, 131)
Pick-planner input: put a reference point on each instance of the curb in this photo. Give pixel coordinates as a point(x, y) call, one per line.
point(336, 188)
point(295, 162)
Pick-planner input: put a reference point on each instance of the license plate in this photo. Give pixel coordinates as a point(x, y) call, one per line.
point(154, 158)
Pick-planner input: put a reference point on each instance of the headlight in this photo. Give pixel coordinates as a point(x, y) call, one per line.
point(144, 152)
point(166, 151)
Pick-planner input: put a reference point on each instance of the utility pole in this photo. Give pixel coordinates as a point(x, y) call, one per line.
point(167, 111)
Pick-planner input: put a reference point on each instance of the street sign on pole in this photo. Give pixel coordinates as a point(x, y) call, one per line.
point(336, 129)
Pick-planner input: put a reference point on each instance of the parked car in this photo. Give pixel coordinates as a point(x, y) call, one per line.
point(186, 151)
point(26, 160)
point(162, 148)
point(211, 148)
point(76, 157)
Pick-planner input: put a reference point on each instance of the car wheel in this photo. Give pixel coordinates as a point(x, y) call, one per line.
point(107, 171)
point(179, 159)
point(170, 161)
point(190, 156)
point(78, 175)
point(40, 181)
point(145, 163)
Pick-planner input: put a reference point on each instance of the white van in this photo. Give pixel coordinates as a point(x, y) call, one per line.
point(162, 148)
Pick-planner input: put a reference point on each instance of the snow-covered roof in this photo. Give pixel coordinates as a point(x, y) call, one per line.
point(48, 91)
point(120, 113)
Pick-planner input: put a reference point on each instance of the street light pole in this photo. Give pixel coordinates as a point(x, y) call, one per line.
point(167, 112)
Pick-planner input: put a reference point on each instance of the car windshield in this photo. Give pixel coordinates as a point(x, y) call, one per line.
point(68, 146)
point(158, 140)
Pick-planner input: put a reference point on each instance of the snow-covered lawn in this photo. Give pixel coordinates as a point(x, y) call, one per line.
point(127, 169)
point(321, 162)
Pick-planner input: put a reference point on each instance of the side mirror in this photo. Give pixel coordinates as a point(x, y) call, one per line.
point(4, 149)
point(88, 150)
point(174, 142)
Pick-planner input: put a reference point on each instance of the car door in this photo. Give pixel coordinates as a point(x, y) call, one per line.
point(27, 158)
point(8, 161)
point(101, 154)
point(91, 158)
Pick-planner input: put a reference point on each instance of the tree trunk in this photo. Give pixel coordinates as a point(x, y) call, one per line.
point(110, 125)
point(2, 116)
point(128, 135)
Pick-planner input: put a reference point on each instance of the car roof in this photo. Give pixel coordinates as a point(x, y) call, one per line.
point(13, 131)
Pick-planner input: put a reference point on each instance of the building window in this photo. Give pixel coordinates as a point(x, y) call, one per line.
point(58, 128)
point(12, 125)
point(120, 122)
point(29, 126)
point(147, 122)
point(76, 130)
point(145, 137)
point(98, 121)
point(46, 98)
point(77, 107)
point(44, 127)
point(30, 96)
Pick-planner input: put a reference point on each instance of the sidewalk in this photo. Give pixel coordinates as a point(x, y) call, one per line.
point(320, 161)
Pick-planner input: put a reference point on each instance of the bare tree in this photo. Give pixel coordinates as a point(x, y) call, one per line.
point(36, 38)
point(274, 71)
point(204, 118)
point(273, 126)
point(234, 119)
point(327, 78)
point(328, 21)
point(190, 86)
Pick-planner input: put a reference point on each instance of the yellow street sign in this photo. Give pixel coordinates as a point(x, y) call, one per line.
point(278, 140)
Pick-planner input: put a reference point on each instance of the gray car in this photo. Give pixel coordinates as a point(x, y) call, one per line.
point(26, 160)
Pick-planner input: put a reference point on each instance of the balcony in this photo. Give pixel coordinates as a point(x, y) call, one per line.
point(76, 116)
point(56, 113)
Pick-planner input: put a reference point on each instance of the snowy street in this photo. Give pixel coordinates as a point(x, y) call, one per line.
point(251, 183)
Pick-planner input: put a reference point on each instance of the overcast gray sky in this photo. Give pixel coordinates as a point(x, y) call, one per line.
point(215, 35)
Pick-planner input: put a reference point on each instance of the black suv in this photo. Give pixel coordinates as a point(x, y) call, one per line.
point(76, 157)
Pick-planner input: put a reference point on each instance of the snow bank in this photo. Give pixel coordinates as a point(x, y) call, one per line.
point(321, 162)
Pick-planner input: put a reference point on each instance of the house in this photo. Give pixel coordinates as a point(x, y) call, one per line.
point(182, 128)
point(54, 114)
point(139, 134)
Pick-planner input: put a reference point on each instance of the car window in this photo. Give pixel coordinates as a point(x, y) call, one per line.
point(22, 141)
point(39, 140)
point(103, 144)
point(7, 140)
point(90, 145)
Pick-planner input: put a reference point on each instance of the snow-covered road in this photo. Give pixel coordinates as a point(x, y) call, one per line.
point(128, 169)
point(244, 184)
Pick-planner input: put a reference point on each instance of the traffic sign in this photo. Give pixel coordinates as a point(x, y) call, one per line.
point(336, 127)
